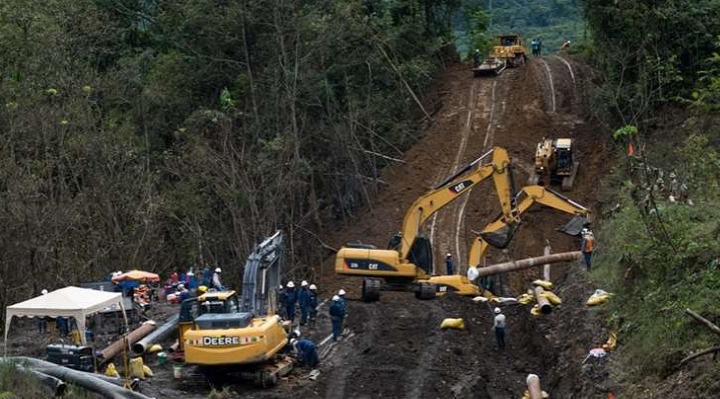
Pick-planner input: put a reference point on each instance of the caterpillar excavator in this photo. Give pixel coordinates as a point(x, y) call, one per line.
point(407, 264)
point(499, 232)
point(223, 332)
point(555, 163)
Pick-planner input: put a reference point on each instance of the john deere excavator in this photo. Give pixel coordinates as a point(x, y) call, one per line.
point(499, 232)
point(221, 332)
point(509, 51)
point(407, 264)
point(555, 163)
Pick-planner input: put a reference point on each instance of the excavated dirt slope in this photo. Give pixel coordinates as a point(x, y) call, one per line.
point(394, 348)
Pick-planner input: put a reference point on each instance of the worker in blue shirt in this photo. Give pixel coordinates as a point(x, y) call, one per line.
point(337, 314)
point(313, 305)
point(290, 300)
point(304, 301)
point(306, 352)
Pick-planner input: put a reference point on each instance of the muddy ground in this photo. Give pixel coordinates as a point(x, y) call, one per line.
point(395, 348)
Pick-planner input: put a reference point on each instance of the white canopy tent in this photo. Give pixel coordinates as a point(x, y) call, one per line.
point(66, 302)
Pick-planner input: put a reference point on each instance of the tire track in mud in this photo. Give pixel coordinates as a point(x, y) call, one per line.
point(552, 85)
point(466, 130)
point(488, 142)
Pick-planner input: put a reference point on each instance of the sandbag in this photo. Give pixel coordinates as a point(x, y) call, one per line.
point(147, 371)
point(611, 342)
point(457, 324)
point(525, 299)
point(136, 368)
point(535, 311)
point(550, 296)
point(598, 298)
point(155, 348)
point(481, 299)
point(543, 283)
point(111, 371)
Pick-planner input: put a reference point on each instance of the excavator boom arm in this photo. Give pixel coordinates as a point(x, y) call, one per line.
point(530, 195)
point(452, 188)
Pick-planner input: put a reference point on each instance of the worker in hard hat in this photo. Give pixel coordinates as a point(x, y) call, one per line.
point(304, 301)
point(306, 352)
point(337, 314)
point(343, 300)
point(449, 264)
point(499, 328)
point(216, 283)
point(280, 298)
point(313, 305)
point(477, 58)
point(290, 301)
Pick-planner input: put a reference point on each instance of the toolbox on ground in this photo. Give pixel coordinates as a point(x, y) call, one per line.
point(72, 356)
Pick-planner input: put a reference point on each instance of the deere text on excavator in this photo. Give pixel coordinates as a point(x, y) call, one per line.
point(222, 333)
point(407, 265)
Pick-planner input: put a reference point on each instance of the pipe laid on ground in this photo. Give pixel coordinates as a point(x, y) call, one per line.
point(174, 347)
point(543, 303)
point(533, 383)
point(56, 385)
point(89, 381)
point(159, 334)
point(134, 336)
point(528, 263)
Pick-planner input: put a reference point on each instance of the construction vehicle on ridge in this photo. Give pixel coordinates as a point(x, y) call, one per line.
point(221, 332)
point(555, 163)
point(407, 265)
point(509, 51)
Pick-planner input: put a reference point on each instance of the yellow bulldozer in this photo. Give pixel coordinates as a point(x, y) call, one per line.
point(555, 163)
point(509, 51)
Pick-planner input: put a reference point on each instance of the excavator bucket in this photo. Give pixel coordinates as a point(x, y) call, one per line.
point(575, 226)
point(501, 238)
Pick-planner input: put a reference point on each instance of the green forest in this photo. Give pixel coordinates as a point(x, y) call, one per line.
point(164, 134)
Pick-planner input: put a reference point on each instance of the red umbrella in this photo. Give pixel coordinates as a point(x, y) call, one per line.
point(137, 275)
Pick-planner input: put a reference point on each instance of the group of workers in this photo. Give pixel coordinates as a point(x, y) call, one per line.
point(306, 298)
point(536, 47)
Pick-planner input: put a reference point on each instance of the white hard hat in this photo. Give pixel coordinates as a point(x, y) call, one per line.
point(585, 231)
point(218, 270)
point(281, 286)
point(293, 341)
point(181, 286)
point(44, 291)
point(336, 298)
point(313, 287)
point(497, 310)
point(290, 284)
point(341, 292)
point(304, 283)
point(297, 333)
point(449, 255)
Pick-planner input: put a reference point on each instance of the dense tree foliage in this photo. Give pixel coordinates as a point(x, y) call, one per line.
point(167, 133)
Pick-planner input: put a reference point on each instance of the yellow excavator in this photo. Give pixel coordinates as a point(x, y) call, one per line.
point(407, 263)
point(499, 232)
point(224, 333)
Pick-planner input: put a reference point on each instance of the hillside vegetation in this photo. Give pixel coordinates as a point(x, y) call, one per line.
point(171, 134)
point(660, 242)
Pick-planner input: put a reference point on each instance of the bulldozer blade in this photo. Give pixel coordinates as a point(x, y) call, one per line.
point(574, 226)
